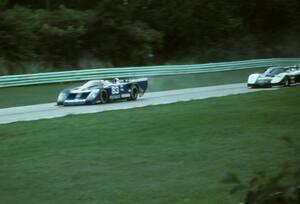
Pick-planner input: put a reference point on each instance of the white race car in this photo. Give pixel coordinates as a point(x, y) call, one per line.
point(275, 76)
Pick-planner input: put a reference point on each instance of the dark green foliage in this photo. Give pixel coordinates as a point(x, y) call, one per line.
point(17, 37)
point(28, 35)
point(3, 4)
point(282, 188)
point(121, 39)
point(61, 37)
point(62, 34)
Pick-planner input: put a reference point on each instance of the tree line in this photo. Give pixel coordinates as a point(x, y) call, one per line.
point(46, 35)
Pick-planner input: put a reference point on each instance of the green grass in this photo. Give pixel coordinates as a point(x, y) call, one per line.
point(176, 153)
point(29, 95)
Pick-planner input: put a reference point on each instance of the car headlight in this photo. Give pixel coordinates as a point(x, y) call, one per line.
point(62, 96)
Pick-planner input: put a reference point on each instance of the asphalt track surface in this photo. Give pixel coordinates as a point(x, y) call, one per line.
point(50, 110)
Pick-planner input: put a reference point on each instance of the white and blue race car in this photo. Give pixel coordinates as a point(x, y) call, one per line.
point(103, 91)
point(275, 76)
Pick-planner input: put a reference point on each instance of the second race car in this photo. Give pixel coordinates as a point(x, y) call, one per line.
point(275, 76)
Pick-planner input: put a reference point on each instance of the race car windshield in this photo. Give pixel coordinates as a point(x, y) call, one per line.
point(274, 72)
point(292, 69)
point(93, 83)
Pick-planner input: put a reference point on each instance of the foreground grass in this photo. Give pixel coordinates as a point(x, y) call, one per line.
point(29, 95)
point(174, 153)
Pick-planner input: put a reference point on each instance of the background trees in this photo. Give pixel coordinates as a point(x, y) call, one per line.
point(63, 34)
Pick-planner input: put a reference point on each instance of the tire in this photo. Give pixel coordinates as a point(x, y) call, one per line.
point(134, 93)
point(287, 82)
point(104, 97)
point(59, 104)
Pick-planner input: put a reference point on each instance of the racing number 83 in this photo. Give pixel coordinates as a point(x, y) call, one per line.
point(115, 90)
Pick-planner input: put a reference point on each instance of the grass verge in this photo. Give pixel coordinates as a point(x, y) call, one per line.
point(29, 95)
point(176, 153)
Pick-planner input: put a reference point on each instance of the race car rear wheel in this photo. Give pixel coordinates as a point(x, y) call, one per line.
point(104, 97)
point(134, 93)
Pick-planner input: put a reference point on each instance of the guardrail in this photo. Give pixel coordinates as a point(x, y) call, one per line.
point(106, 73)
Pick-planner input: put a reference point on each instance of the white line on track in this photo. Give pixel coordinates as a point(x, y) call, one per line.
point(50, 110)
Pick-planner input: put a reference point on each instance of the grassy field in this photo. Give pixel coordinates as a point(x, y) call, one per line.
point(28, 95)
point(176, 153)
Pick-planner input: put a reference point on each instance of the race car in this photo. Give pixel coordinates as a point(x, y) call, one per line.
point(275, 76)
point(103, 91)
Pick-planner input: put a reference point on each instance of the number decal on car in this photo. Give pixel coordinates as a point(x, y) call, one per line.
point(115, 90)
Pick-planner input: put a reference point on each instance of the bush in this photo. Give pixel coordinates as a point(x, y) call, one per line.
point(282, 188)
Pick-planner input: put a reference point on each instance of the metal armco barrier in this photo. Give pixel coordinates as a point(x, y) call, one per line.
point(125, 72)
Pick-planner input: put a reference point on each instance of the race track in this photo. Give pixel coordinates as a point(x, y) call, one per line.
point(50, 110)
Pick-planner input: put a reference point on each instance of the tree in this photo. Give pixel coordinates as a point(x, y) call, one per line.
point(119, 38)
point(17, 37)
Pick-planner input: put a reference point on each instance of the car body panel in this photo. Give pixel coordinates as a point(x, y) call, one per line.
point(252, 78)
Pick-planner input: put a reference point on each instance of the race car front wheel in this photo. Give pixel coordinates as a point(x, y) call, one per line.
point(134, 93)
point(287, 82)
point(104, 98)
